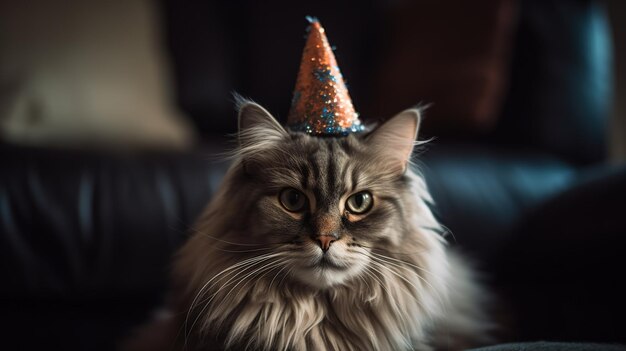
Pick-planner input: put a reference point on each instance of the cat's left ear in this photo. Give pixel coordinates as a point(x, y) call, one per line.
point(394, 140)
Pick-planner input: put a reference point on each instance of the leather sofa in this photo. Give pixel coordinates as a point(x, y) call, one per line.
point(86, 237)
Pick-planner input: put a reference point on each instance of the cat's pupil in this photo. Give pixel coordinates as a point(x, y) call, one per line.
point(358, 199)
point(293, 198)
point(359, 202)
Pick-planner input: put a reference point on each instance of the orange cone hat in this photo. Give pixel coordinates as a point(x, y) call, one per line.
point(321, 104)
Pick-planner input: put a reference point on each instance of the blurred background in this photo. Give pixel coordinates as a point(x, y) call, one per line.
point(112, 115)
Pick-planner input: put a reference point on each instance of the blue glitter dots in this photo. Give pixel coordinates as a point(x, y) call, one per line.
point(327, 113)
point(321, 104)
point(324, 75)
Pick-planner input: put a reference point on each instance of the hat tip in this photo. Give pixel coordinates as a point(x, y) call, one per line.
point(311, 19)
point(321, 104)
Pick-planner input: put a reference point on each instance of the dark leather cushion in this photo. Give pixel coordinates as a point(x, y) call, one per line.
point(84, 224)
point(99, 324)
point(562, 265)
point(482, 193)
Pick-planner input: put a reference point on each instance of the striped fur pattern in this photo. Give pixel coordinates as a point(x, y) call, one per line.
point(251, 276)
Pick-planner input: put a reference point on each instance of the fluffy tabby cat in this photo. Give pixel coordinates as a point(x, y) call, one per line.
point(320, 243)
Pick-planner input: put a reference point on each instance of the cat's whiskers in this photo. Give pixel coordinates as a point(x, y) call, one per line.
point(264, 269)
point(238, 277)
point(368, 274)
point(196, 230)
point(269, 288)
point(371, 271)
point(285, 259)
point(412, 253)
point(202, 292)
point(374, 268)
point(369, 287)
point(285, 275)
point(240, 266)
point(404, 265)
point(244, 251)
point(267, 266)
point(237, 271)
point(402, 262)
point(383, 265)
point(385, 260)
point(407, 281)
point(245, 263)
point(378, 262)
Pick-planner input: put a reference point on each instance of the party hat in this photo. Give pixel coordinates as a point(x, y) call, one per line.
point(321, 104)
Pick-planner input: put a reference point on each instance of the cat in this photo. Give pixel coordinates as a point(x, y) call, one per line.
point(320, 243)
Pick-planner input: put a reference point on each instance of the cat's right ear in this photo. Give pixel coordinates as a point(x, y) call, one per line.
point(259, 135)
point(257, 127)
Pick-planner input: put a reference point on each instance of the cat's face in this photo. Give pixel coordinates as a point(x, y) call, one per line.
point(325, 203)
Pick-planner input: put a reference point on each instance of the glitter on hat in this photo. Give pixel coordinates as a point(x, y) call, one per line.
point(321, 104)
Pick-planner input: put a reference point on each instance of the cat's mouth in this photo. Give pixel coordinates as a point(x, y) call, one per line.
point(323, 270)
point(325, 262)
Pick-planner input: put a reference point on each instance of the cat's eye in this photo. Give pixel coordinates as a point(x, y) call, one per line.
point(292, 200)
point(360, 202)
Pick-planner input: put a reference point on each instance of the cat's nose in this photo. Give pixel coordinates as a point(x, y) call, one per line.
point(325, 241)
